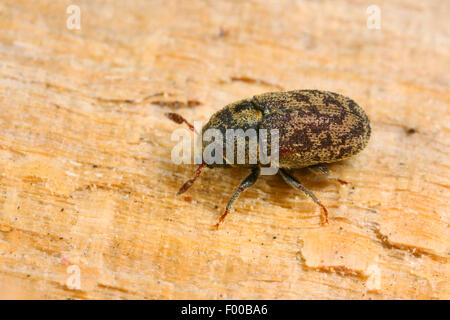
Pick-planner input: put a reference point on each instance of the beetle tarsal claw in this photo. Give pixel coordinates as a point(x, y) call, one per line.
point(221, 219)
point(185, 186)
point(324, 216)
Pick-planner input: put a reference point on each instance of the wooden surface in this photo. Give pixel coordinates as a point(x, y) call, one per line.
point(87, 182)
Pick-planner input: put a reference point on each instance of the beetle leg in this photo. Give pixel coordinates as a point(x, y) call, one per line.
point(175, 117)
point(245, 184)
point(297, 185)
point(189, 183)
point(319, 169)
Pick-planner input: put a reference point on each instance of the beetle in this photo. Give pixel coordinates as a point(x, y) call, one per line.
point(315, 127)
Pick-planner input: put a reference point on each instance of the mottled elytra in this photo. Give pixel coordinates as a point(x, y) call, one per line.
point(315, 127)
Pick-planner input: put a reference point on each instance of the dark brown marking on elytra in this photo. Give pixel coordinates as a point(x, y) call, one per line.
point(353, 106)
point(300, 97)
point(344, 152)
point(357, 130)
point(327, 141)
point(330, 100)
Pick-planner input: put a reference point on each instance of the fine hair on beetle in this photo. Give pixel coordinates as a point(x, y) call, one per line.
point(298, 128)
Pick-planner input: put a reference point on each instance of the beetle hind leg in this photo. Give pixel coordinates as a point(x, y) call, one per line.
point(319, 169)
point(297, 185)
point(245, 184)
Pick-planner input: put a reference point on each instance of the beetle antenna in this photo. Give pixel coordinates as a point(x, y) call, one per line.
point(175, 117)
point(189, 183)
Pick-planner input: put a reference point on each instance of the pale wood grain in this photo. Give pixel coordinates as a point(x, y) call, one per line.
point(86, 177)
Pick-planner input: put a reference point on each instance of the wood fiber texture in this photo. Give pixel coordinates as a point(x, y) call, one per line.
point(87, 184)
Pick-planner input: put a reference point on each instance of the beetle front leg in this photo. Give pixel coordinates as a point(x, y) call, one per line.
point(245, 184)
point(297, 185)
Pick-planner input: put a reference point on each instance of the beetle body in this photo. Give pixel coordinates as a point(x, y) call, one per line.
point(315, 127)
